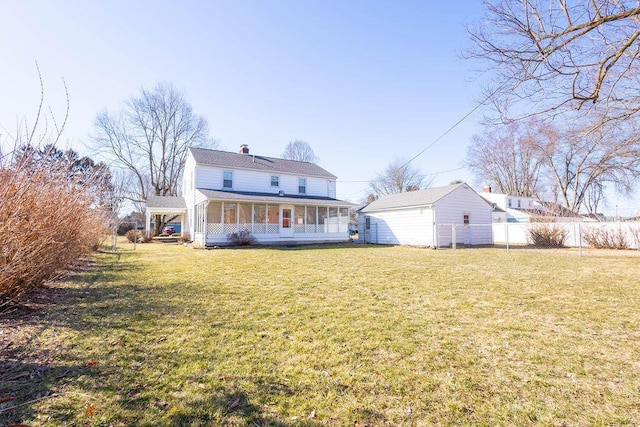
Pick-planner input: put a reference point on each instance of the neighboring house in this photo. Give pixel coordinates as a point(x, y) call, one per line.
point(279, 201)
point(526, 209)
point(433, 217)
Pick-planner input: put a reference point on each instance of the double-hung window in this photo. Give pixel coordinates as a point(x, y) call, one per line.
point(275, 181)
point(302, 185)
point(227, 180)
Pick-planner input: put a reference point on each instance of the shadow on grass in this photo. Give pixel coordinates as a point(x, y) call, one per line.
point(24, 383)
point(228, 407)
point(303, 247)
point(37, 359)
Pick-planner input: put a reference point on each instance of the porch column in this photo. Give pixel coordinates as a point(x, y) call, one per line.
point(148, 220)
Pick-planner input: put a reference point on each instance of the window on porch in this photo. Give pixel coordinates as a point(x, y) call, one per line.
point(230, 218)
point(273, 219)
point(298, 219)
point(214, 218)
point(244, 216)
point(312, 215)
point(259, 219)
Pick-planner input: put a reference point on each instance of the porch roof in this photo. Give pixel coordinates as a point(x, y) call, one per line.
point(166, 204)
point(287, 199)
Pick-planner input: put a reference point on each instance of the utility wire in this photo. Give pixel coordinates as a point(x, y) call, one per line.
point(473, 110)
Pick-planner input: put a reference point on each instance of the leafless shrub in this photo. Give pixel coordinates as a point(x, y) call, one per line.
point(49, 220)
point(548, 235)
point(241, 238)
point(138, 236)
point(47, 224)
point(185, 237)
point(600, 238)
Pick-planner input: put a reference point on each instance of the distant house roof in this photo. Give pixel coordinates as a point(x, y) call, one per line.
point(559, 210)
point(166, 202)
point(428, 196)
point(249, 161)
point(251, 197)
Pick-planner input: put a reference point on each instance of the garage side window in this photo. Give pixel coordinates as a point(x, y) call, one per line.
point(465, 219)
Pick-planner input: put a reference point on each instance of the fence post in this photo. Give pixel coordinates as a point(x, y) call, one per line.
point(453, 236)
point(506, 233)
point(580, 240)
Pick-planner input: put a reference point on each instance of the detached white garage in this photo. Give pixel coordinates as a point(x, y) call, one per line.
point(435, 217)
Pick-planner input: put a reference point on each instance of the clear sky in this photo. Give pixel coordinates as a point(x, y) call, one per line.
point(364, 82)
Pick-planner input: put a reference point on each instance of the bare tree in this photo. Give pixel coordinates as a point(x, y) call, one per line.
point(561, 55)
point(508, 157)
point(150, 138)
point(301, 151)
point(398, 177)
point(581, 161)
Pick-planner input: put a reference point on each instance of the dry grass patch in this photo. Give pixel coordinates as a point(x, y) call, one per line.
point(339, 335)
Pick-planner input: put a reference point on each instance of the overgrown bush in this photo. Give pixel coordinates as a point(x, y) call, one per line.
point(241, 238)
point(601, 238)
point(136, 236)
point(47, 224)
point(548, 235)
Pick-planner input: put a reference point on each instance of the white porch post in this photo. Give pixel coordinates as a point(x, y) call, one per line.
point(148, 220)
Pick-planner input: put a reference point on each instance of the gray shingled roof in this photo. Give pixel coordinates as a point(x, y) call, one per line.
point(166, 202)
point(250, 197)
point(411, 198)
point(249, 161)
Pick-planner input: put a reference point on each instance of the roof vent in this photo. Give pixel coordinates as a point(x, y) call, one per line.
point(244, 149)
point(281, 193)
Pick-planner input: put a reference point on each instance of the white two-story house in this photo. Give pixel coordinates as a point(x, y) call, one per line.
point(279, 201)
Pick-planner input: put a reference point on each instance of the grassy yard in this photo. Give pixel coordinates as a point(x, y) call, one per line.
point(340, 335)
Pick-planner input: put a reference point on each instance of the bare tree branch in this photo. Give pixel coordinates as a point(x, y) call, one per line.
point(551, 57)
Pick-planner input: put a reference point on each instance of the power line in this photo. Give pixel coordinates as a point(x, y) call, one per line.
point(473, 110)
point(448, 130)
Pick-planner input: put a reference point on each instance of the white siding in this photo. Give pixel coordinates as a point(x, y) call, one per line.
point(407, 227)
point(463, 200)
point(417, 225)
point(450, 210)
point(188, 187)
point(260, 182)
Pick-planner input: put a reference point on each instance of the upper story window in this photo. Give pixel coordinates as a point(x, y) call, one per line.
point(228, 179)
point(275, 181)
point(302, 185)
point(465, 219)
point(509, 204)
point(519, 203)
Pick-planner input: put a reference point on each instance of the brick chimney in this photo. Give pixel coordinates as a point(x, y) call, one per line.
point(486, 189)
point(244, 149)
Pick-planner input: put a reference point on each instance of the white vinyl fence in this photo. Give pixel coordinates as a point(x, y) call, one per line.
point(625, 235)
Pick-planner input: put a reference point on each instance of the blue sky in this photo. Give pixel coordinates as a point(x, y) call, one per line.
point(363, 82)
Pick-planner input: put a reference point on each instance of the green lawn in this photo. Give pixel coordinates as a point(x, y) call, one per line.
point(339, 335)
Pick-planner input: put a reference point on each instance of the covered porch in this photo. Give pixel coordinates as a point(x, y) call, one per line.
point(171, 207)
point(271, 219)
